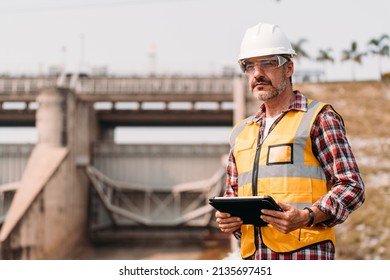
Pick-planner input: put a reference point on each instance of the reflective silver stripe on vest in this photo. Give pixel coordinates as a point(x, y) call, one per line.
point(303, 132)
point(300, 205)
point(245, 178)
point(285, 170)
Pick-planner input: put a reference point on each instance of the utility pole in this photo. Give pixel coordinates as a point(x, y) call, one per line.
point(152, 59)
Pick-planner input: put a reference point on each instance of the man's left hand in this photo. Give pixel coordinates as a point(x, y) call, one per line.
point(290, 219)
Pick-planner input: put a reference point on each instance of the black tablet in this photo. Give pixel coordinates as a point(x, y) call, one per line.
point(248, 208)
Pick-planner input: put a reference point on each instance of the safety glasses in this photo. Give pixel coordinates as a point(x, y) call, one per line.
point(265, 64)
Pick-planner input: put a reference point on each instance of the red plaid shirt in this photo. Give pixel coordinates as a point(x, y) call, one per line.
point(333, 151)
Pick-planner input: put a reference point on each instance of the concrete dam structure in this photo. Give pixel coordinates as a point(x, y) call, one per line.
point(76, 185)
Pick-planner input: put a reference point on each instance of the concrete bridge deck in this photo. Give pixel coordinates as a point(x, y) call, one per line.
point(127, 100)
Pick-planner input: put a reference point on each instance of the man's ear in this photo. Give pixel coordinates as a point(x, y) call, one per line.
point(290, 69)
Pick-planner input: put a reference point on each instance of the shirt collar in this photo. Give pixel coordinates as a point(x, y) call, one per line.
point(300, 103)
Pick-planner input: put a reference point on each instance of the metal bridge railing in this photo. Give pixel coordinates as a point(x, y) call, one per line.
point(156, 85)
point(23, 86)
point(184, 204)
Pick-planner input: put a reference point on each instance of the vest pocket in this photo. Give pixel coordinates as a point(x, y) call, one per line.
point(244, 153)
point(243, 144)
point(280, 154)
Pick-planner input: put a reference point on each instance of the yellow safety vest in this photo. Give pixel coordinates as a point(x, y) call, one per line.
point(285, 168)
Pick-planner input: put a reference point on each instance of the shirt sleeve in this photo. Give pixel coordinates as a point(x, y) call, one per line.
point(232, 184)
point(231, 176)
point(333, 151)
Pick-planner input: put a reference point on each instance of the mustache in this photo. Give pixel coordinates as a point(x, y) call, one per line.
point(261, 80)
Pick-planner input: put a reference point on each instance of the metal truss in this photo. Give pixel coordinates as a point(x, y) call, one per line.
point(184, 204)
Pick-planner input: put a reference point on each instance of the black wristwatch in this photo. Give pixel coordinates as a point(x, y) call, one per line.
point(311, 214)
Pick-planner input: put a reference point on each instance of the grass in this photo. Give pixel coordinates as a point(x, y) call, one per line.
point(366, 234)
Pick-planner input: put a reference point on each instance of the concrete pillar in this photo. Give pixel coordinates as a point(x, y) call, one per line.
point(83, 132)
point(239, 99)
point(48, 215)
point(51, 117)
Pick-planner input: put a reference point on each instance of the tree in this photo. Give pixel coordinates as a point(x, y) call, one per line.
point(380, 48)
point(324, 57)
point(297, 47)
point(354, 55)
point(301, 53)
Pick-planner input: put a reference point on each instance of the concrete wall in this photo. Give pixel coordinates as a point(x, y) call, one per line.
point(52, 225)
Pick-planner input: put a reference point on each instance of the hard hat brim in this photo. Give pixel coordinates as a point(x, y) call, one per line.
point(266, 52)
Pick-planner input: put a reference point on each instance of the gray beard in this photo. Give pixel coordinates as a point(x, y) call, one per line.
point(273, 92)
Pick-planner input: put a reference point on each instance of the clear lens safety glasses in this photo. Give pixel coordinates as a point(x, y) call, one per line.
point(265, 64)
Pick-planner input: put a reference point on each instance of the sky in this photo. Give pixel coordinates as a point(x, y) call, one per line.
point(170, 37)
point(188, 37)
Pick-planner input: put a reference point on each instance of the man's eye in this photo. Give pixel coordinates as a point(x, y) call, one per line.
point(249, 67)
point(268, 64)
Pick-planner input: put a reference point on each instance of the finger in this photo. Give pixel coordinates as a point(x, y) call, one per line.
point(228, 220)
point(229, 227)
point(275, 221)
point(284, 206)
point(279, 224)
point(273, 213)
point(222, 214)
point(230, 230)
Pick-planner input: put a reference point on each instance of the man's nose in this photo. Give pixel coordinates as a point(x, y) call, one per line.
point(258, 72)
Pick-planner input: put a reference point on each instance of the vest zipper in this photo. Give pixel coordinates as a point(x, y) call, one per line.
point(256, 165)
point(257, 155)
point(254, 184)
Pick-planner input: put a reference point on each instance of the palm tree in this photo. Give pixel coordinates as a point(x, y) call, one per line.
point(324, 56)
point(380, 48)
point(299, 50)
point(354, 55)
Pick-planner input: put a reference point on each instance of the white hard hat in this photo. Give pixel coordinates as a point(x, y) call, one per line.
point(264, 39)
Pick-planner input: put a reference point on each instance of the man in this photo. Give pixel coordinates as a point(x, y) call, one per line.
point(293, 149)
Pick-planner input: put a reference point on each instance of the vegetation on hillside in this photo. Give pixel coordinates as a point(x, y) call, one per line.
point(364, 107)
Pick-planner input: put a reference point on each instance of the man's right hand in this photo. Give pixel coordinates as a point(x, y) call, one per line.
point(227, 223)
